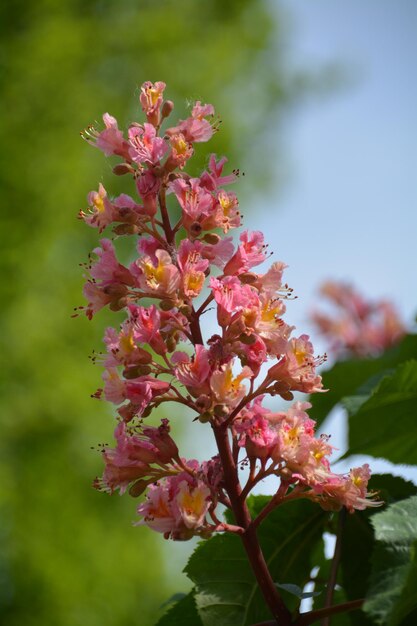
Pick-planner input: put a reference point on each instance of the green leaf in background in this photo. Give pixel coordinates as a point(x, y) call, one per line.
point(383, 424)
point(392, 599)
point(226, 590)
point(182, 613)
point(346, 377)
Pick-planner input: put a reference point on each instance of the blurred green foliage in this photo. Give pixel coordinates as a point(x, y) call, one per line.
point(70, 556)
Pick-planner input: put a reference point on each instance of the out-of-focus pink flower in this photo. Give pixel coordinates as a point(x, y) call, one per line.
point(358, 327)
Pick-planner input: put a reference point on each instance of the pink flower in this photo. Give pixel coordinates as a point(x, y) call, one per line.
point(228, 389)
point(231, 296)
point(102, 211)
point(146, 324)
point(192, 266)
point(252, 354)
point(181, 151)
point(335, 491)
point(251, 252)
point(257, 436)
point(359, 327)
point(141, 392)
point(107, 268)
point(122, 347)
point(110, 140)
point(151, 100)
point(161, 278)
point(196, 128)
point(193, 503)
point(297, 368)
point(146, 147)
point(194, 373)
point(227, 215)
point(213, 178)
point(177, 506)
point(196, 202)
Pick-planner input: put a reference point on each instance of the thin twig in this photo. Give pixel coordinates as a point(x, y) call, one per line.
point(335, 564)
point(305, 619)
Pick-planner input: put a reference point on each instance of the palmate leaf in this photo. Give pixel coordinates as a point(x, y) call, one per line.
point(182, 613)
point(383, 423)
point(392, 599)
point(346, 377)
point(226, 591)
point(358, 542)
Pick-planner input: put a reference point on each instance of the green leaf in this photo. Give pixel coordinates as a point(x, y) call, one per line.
point(298, 592)
point(393, 594)
point(176, 597)
point(358, 542)
point(182, 613)
point(226, 590)
point(346, 377)
point(384, 424)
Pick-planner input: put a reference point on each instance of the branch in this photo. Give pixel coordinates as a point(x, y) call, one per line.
point(169, 233)
point(313, 616)
point(335, 564)
point(249, 539)
point(195, 329)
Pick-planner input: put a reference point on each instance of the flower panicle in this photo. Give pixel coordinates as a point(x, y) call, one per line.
point(159, 353)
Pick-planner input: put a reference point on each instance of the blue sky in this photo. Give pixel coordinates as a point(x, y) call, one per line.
point(350, 209)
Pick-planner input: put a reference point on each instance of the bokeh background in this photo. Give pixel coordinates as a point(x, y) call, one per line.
point(318, 102)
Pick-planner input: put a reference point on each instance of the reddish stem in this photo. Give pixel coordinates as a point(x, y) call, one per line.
point(249, 537)
point(169, 233)
point(335, 565)
point(305, 619)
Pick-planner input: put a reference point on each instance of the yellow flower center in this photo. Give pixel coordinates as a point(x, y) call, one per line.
point(99, 203)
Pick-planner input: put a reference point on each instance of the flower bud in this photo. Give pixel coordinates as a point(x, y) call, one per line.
point(138, 488)
point(167, 305)
point(220, 410)
point(203, 402)
point(211, 238)
point(248, 340)
point(160, 438)
point(115, 290)
point(171, 343)
point(126, 229)
point(118, 305)
point(185, 309)
point(247, 278)
point(123, 168)
point(167, 108)
point(135, 371)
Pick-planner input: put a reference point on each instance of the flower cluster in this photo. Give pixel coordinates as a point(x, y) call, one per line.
point(180, 271)
point(360, 327)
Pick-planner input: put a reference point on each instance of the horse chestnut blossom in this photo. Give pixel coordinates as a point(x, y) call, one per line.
point(360, 327)
point(159, 353)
